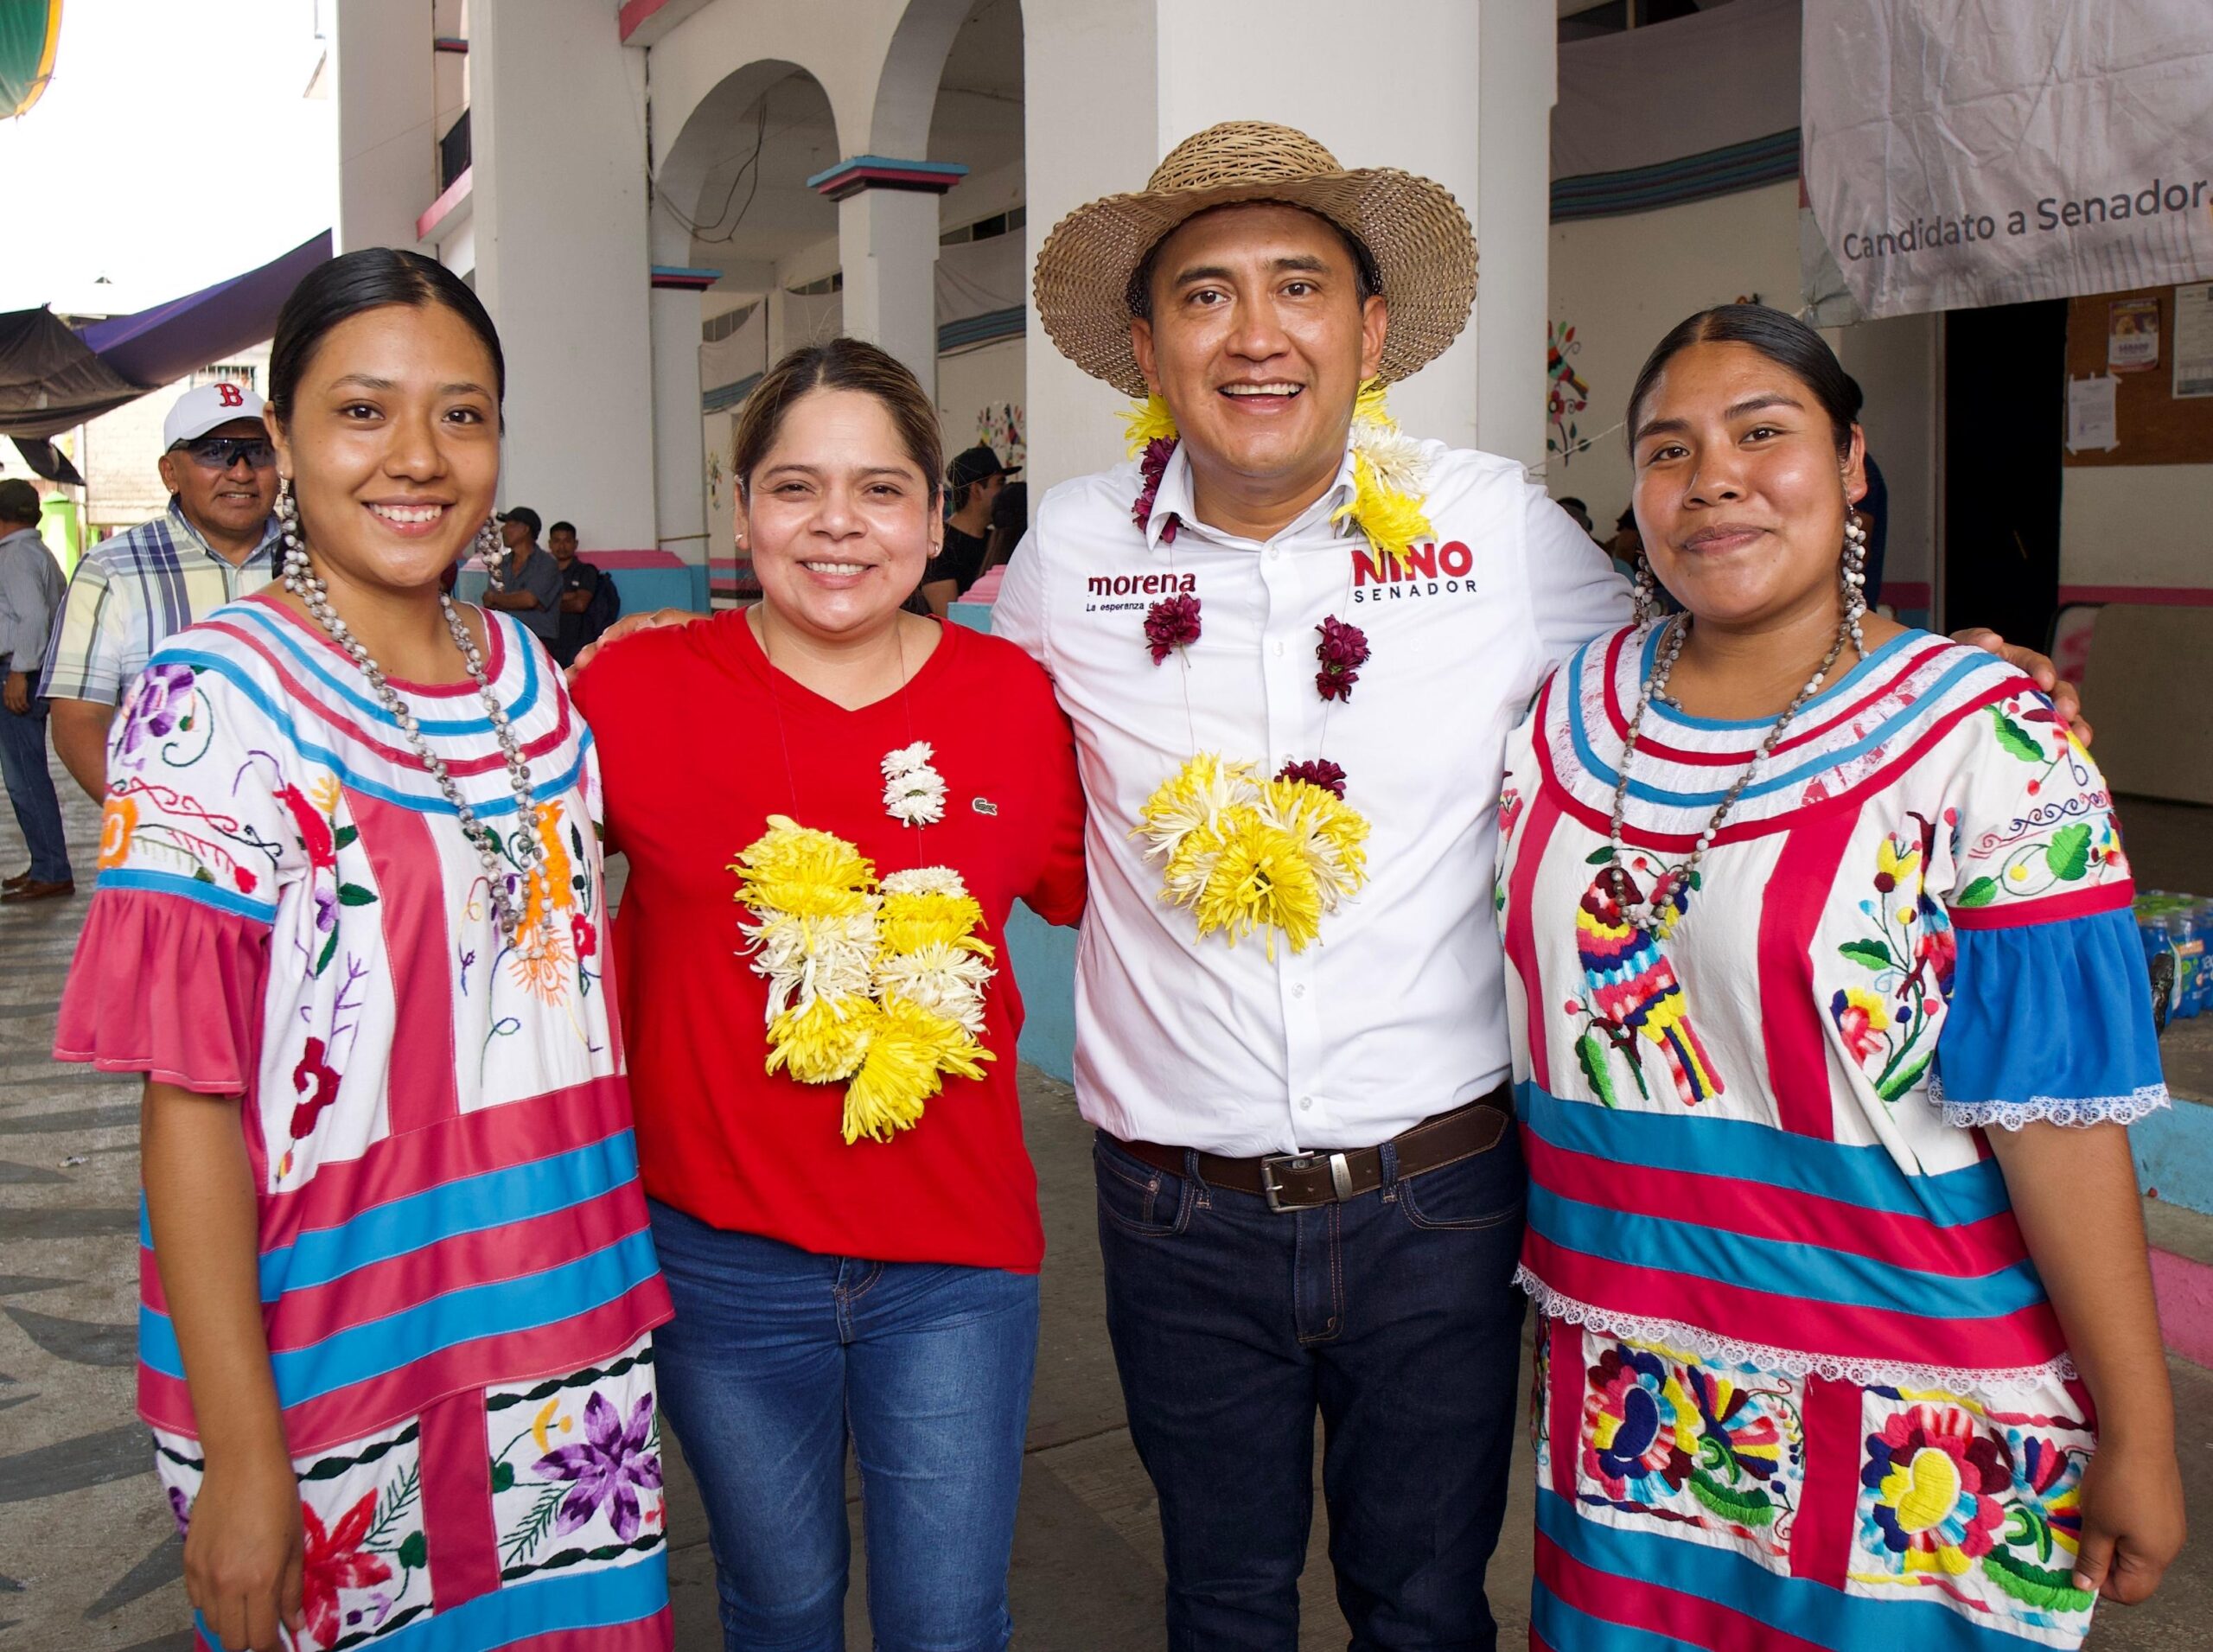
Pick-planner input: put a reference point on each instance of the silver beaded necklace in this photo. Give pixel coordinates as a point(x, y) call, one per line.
point(300, 579)
point(1649, 913)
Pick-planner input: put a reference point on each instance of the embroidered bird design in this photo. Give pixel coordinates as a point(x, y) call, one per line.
point(1633, 990)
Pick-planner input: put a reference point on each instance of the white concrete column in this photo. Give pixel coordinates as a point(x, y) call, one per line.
point(1517, 82)
point(387, 138)
point(562, 263)
point(680, 451)
point(887, 246)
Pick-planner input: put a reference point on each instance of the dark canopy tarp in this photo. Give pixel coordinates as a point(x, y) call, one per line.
point(29, 31)
point(160, 345)
point(49, 380)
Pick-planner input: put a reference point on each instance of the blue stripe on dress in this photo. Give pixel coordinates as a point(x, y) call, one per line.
point(1772, 1265)
point(542, 789)
point(486, 1200)
point(1824, 759)
point(1568, 1628)
point(1801, 1606)
point(550, 1602)
point(1867, 1177)
point(272, 629)
point(197, 889)
point(469, 1314)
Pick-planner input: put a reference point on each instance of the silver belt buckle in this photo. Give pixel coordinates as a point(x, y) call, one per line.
point(1340, 1176)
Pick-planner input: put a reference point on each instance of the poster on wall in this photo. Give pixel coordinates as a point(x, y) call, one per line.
point(2194, 340)
point(2132, 335)
point(1950, 164)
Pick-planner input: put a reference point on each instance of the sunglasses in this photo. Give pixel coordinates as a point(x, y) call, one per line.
point(221, 452)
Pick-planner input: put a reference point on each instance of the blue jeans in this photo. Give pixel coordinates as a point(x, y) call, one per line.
point(30, 789)
point(1394, 1316)
point(775, 1358)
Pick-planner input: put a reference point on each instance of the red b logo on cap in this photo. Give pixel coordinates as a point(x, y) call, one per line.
point(230, 395)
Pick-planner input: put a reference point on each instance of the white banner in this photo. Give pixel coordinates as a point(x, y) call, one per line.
point(1961, 155)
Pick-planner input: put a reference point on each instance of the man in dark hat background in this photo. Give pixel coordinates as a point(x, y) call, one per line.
point(973, 482)
point(531, 581)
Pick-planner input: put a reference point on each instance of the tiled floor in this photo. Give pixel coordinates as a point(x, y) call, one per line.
point(87, 1557)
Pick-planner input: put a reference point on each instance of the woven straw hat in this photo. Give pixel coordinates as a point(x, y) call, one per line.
point(1425, 252)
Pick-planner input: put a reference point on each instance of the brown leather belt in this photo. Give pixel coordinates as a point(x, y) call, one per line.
point(1304, 1181)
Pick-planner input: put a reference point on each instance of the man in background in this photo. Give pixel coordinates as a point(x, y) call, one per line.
point(529, 580)
point(30, 591)
point(216, 543)
point(589, 602)
point(972, 483)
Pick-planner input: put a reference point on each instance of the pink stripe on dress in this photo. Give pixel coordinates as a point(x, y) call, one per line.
point(457, 1524)
point(1535, 832)
point(1797, 1039)
point(1684, 1620)
point(413, 901)
point(1820, 1545)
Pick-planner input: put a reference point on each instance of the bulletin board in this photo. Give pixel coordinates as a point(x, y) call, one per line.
point(2152, 425)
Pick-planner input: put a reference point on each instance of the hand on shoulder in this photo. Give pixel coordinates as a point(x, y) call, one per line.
point(630, 625)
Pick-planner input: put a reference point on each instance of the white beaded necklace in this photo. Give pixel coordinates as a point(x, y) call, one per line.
point(302, 581)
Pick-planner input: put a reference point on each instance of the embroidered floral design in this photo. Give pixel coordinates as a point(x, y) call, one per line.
point(1171, 623)
point(118, 819)
point(608, 1466)
point(335, 1561)
point(160, 704)
point(914, 792)
point(1693, 1441)
point(316, 1079)
point(1632, 992)
point(1982, 1506)
point(2066, 835)
point(1907, 951)
point(1341, 651)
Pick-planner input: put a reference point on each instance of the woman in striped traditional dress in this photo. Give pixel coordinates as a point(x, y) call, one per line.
point(398, 1284)
point(1830, 1021)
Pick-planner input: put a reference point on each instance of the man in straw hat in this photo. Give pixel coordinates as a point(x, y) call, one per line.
point(1310, 1184)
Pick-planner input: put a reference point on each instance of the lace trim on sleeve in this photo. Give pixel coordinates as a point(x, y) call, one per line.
point(1728, 1350)
point(2077, 1112)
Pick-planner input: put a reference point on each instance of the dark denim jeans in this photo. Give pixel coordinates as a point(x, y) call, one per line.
point(1394, 1316)
point(775, 1358)
point(30, 789)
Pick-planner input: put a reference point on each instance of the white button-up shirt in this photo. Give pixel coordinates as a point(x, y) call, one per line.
point(1397, 1012)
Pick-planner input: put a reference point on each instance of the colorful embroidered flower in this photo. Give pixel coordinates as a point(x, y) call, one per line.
point(181, 1511)
point(118, 819)
point(1862, 1016)
point(1342, 651)
point(583, 935)
point(316, 1079)
point(1940, 948)
point(1897, 861)
point(610, 1466)
point(1936, 1481)
point(326, 908)
point(2034, 1557)
point(313, 827)
point(539, 963)
point(158, 706)
point(1317, 771)
point(1635, 1427)
point(1169, 624)
point(334, 1560)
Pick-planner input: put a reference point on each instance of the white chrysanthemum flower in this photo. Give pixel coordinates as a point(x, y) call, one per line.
point(915, 798)
point(926, 880)
point(908, 759)
point(804, 959)
point(1395, 457)
point(943, 979)
point(1192, 797)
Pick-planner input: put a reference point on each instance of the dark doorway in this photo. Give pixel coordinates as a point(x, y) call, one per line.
point(2005, 418)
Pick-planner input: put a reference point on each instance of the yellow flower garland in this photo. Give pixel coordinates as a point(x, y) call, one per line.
point(878, 986)
point(1248, 854)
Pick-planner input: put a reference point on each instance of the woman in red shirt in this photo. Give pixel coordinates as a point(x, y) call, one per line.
point(828, 806)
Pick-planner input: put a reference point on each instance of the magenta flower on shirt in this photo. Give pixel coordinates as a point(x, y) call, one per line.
point(1342, 651)
point(1169, 624)
point(1152, 468)
point(1316, 771)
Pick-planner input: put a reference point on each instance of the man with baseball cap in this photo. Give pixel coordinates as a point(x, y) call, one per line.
point(216, 543)
point(30, 590)
point(974, 481)
point(530, 581)
point(1310, 1181)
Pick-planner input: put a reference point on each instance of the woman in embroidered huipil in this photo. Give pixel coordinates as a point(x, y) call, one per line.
point(398, 1283)
point(1830, 1019)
